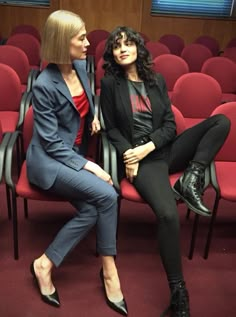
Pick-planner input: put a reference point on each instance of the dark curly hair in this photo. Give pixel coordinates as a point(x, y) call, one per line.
point(144, 61)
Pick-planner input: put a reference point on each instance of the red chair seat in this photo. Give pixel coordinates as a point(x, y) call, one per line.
point(26, 190)
point(9, 120)
point(226, 177)
point(129, 192)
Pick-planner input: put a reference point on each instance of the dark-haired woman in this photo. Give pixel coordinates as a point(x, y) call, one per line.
point(141, 125)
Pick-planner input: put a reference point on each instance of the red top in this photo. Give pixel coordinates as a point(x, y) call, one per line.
point(82, 105)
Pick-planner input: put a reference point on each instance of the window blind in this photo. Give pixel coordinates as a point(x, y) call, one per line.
point(27, 3)
point(204, 8)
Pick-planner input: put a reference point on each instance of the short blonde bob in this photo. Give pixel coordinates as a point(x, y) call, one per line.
point(61, 26)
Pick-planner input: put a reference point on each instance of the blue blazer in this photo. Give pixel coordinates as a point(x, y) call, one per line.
point(56, 124)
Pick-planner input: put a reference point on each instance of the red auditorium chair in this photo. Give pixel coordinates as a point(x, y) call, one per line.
point(223, 169)
point(20, 186)
point(171, 67)
point(157, 48)
point(99, 73)
point(195, 55)
point(99, 52)
point(12, 102)
point(224, 71)
point(231, 43)
point(144, 36)
point(230, 52)
point(29, 44)
point(27, 28)
point(210, 42)
point(94, 37)
point(196, 95)
point(18, 60)
point(174, 42)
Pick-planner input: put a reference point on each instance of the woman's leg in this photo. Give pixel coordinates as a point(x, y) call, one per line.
point(194, 149)
point(96, 202)
point(152, 182)
point(199, 143)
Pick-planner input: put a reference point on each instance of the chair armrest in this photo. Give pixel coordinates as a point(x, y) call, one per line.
point(24, 105)
point(90, 64)
point(91, 82)
point(213, 178)
point(33, 74)
point(3, 148)
point(9, 159)
point(114, 167)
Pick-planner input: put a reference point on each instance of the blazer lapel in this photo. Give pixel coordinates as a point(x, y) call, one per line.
point(61, 85)
point(125, 99)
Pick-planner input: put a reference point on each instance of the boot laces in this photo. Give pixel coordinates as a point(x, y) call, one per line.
point(179, 304)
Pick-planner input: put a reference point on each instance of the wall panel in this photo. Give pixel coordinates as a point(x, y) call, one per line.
point(107, 14)
point(188, 28)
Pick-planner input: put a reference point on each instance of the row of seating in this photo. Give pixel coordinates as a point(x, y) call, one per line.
point(172, 67)
point(173, 42)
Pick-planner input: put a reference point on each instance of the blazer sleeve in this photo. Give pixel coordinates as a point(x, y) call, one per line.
point(46, 125)
point(108, 106)
point(166, 131)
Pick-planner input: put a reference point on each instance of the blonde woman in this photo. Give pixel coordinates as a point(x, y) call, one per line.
point(63, 119)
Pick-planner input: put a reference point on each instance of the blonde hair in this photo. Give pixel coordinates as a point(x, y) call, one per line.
point(61, 26)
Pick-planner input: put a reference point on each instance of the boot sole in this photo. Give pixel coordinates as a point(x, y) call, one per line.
point(191, 207)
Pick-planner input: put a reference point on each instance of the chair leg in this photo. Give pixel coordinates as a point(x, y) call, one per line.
point(118, 216)
point(15, 226)
point(193, 239)
point(9, 209)
point(211, 225)
point(26, 207)
point(188, 214)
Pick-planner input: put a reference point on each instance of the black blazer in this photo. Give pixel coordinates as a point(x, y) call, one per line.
point(117, 112)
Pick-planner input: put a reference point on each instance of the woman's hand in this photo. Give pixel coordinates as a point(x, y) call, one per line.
point(98, 171)
point(96, 127)
point(135, 155)
point(131, 171)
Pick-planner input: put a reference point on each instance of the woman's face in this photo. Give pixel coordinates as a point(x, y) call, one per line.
point(78, 45)
point(124, 51)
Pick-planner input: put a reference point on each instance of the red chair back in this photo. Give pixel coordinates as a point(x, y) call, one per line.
point(230, 52)
point(196, 95)
point(232, 42)
point(94, 37)
point(174, 42)
point(210, 42)
point(29, 44)
point(144, 36)
point(26, 28)
point(227, 152)
point(99, 73)
point(171, 67)
point(10, 89)
point(18, 60)
point(99, 51)
point(223, 70)
point(157, 48)
point(195, 55)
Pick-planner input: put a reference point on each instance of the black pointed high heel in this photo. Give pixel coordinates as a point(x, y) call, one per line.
point(119, 307)
point(52, 299)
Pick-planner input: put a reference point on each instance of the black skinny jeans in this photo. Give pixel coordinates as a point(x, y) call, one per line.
point(200, 144)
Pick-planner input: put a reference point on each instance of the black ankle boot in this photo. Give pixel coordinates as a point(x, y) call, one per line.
point(189, 188)
point(179, 303)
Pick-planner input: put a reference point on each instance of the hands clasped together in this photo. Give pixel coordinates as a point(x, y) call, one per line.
point(132, 157)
